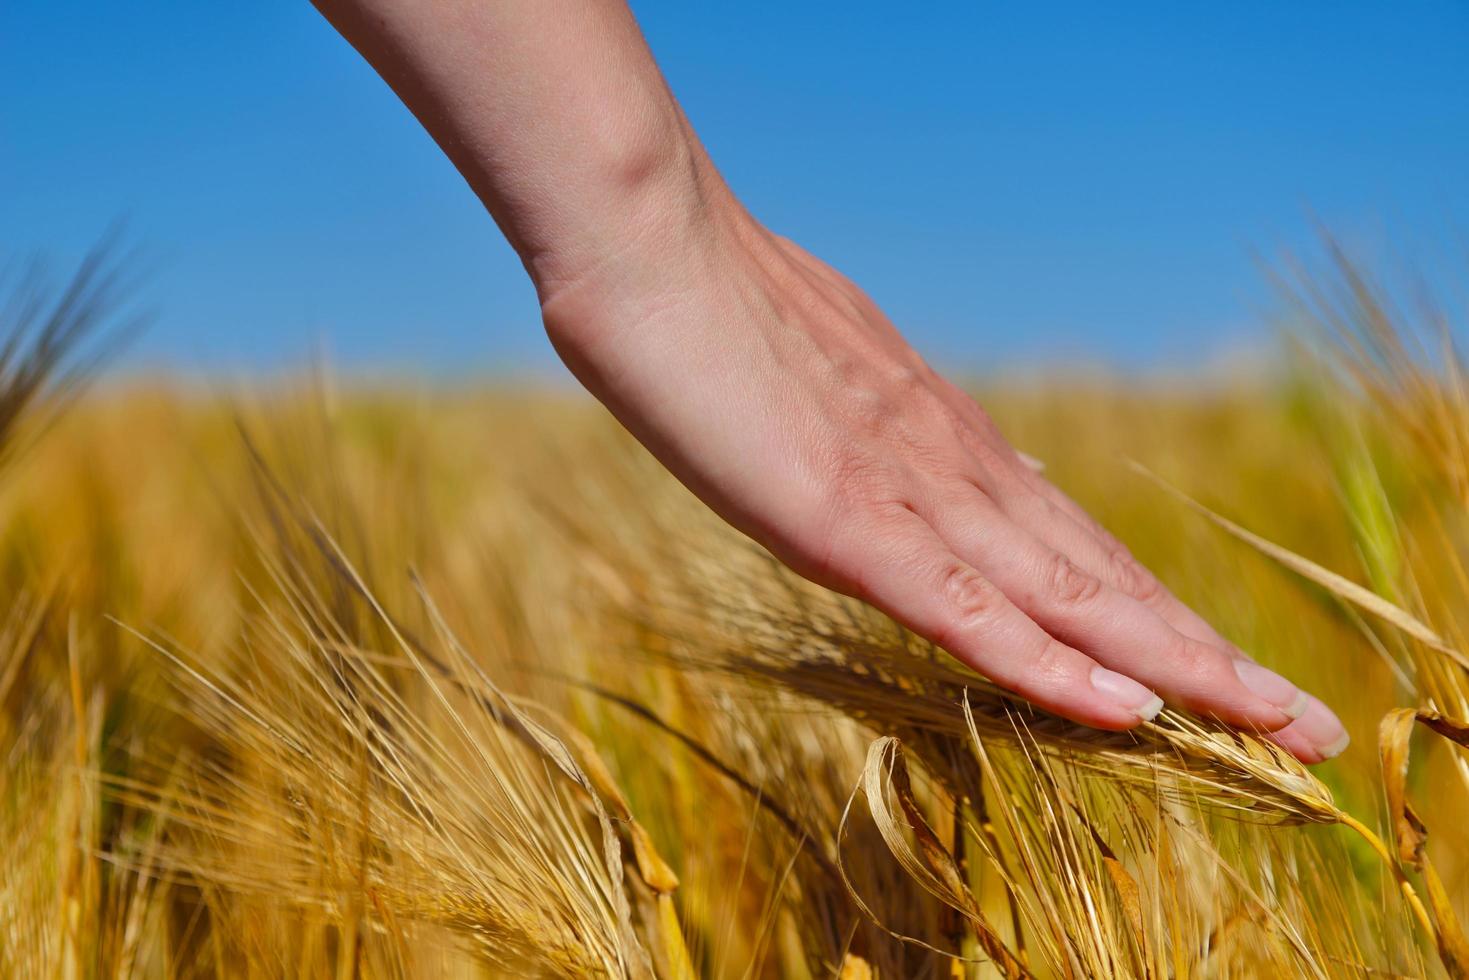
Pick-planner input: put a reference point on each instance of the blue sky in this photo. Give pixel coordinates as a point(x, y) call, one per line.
point(1016, 184)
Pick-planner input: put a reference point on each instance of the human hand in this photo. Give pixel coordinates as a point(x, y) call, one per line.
point(776, 390)
point(783, 397)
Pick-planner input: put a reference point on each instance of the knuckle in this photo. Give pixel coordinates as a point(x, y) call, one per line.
point(1050, 660)
point(895, 409)
point(1068, 583)
point(872, 413)
point(1194, 658)
point(905, 381)
point(1131, 577)
point(972, 601)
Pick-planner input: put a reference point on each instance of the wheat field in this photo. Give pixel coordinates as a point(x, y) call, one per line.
point(326, 679)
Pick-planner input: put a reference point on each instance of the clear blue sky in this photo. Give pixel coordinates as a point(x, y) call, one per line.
point(1015, 183)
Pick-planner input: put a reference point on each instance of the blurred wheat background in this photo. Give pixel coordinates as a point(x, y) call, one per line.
point(321, 679)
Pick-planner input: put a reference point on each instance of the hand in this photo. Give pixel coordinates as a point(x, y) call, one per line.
point(783, 397)
point(775, 389)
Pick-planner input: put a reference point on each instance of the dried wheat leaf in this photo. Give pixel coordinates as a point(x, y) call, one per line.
point(935, 870)
point(1410, 833)
point(1450, 728)
point(1393, 736)
point(652, 868)
point(1128, 892)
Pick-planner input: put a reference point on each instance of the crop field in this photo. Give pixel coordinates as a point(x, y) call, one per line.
point(315, 678)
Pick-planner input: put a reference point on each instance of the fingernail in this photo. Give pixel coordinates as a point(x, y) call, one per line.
point(1321, 727)
point(1123, 690)
point(1270, 686)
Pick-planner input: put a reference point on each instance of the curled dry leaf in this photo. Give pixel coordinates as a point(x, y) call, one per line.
point(1409, 831)
point(933, 866)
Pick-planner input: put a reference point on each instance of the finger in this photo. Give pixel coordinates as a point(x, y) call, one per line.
point(903, 568)
point(1114, 564)
point(1116, 630)
point(1109, 559)
point(1315, 735)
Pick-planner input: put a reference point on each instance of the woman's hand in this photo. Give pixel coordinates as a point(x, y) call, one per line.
point(775, 389)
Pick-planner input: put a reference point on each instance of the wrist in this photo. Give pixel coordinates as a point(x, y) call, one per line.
point(668, 213)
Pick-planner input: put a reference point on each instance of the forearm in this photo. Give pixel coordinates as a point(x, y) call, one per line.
point(555, 113)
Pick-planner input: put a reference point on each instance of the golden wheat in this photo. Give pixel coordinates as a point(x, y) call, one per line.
point(318, 682)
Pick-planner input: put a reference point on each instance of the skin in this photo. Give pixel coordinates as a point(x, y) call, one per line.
point(776, 390)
